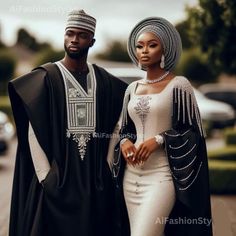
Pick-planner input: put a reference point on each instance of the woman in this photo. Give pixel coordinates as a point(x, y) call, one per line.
point(165, 174)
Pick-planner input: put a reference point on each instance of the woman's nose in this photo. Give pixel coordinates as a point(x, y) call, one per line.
point(145, 50)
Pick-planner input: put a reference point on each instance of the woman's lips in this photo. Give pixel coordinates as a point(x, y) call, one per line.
point(146, 58)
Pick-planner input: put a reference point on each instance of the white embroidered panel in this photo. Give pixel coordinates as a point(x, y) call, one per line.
point(81, 107)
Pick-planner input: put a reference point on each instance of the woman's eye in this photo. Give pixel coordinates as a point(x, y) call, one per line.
point(139, 46)
point(153, 45)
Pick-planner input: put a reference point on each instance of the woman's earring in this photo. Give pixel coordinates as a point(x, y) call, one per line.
point(162, 64)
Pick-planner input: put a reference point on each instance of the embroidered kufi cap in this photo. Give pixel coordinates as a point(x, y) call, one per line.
point(79, 19)
point(166, 32)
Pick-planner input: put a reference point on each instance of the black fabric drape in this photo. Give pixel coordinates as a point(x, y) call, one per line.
point(78, 196)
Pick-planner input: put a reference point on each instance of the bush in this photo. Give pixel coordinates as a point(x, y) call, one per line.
point(49, 55)
point(194, 66)
point(115, 51)
point(230, 136)
point(227, 153)
point(222, 166)
point(222, 176)
point(5, 106)
point(7, 69)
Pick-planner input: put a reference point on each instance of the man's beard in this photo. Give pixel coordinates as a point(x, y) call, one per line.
point(76, 55)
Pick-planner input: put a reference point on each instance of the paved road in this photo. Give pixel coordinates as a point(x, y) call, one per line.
point(223, 206)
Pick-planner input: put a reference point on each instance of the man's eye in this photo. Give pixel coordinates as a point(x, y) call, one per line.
point(84, 36)
point(69, 33)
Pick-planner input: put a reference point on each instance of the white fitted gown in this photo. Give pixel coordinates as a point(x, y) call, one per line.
point(148, 189)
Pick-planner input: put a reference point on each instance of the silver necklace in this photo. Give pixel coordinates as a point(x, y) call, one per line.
point(151, 81)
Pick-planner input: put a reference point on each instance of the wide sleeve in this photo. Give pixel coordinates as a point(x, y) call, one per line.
point(40, 161)
point(127, 130)
point(186, 151)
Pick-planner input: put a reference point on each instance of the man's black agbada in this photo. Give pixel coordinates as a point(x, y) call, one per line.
point(76, 197)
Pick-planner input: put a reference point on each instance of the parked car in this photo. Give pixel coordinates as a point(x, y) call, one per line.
point(224, 92)
point(214, 114)
point(7, 131)
point(128, 75)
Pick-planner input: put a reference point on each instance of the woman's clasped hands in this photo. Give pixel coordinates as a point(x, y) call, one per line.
point(137, 156)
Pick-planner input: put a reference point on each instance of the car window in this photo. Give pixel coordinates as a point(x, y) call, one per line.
point(224, 96)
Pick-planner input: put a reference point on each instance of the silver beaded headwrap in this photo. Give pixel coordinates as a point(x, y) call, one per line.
point(79, 19)
point(166, 32)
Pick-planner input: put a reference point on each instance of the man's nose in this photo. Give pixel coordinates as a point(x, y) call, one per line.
point(75, 39)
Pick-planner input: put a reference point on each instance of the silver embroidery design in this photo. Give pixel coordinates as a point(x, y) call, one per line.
point(184, 93)
point(142, 109)
point(81, 108)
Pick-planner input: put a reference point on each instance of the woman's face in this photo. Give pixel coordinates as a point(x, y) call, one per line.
point(149, 49)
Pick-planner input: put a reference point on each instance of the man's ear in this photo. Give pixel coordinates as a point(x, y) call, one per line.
point(92, 42)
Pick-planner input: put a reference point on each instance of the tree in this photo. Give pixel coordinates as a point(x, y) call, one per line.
point(183, 29)
point(49, 55)
point(26, 39)
point(193, 65)
point(116, 51)
point(7, 68)
point(213, 27)
point(2, 45)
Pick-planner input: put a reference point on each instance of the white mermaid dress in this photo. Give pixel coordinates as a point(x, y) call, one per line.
point(148, 189)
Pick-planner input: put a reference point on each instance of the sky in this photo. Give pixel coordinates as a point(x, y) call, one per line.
point(115, 19)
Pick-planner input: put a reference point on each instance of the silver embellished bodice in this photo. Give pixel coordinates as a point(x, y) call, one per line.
point(151, 113)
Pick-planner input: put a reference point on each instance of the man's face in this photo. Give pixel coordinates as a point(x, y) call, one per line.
point(77, 42)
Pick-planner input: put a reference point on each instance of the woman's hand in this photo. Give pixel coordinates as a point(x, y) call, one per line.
point(144, 150)
point(128, 150)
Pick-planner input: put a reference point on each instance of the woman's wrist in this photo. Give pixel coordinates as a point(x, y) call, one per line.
point(159, 140)
point(122, 141)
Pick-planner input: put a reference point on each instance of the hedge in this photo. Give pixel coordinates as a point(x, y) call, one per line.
point(227, 153)
point(5, 106)
point(230, 136)
point(222, 176)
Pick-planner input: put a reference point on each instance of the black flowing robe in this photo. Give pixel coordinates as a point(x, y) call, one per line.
point(186, 151)
point(77, 197)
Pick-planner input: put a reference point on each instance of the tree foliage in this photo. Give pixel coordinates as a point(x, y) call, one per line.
point(213, 27)
point(183, 29)
point(116, 51)
point(29, 41)
point(7, 69)
point(49, 55)
point(193, 65)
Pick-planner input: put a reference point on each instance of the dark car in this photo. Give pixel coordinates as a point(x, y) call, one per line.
point(220, 91)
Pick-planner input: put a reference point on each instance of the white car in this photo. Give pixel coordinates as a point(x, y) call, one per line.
point(7, 131)
point(215, 114)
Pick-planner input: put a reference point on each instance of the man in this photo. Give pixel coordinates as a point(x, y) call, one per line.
point(64, 113)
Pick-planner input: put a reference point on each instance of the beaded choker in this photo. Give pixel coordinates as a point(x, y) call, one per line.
point(151, 81)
